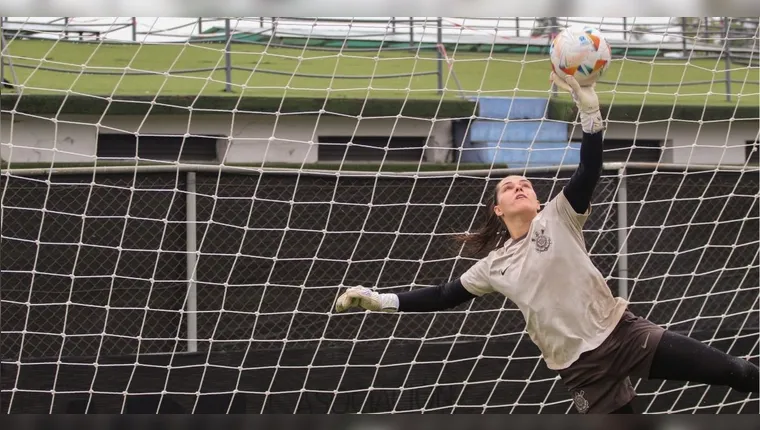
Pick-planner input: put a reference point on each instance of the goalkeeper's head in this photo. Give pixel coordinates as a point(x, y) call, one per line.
point(515, 199)
point(514, 202)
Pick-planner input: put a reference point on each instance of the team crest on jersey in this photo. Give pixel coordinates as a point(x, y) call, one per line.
point(542, 241)
point(580, 401)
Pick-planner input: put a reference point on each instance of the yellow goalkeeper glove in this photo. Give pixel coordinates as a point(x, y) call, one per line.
point(585, 99)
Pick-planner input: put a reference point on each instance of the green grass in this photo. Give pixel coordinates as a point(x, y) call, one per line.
point(502, 75)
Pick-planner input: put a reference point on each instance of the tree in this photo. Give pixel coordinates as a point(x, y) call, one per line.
point(638, 31)
point(545, 25)
point(741, 32)
point(698, 30)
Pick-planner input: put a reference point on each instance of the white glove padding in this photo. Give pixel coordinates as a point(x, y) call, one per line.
point(361, 297)
point(585, 99)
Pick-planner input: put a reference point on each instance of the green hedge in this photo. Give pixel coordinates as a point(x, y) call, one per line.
point(41, 104)
point(564, 110)
point(349, 43)
point(561, 109)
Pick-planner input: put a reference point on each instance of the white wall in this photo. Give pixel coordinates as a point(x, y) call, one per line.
point(292, 138)
point(688, 142)
point(254, 138)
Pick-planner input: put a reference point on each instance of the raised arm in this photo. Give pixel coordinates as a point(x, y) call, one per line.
point(580, 189)
point(431, 299)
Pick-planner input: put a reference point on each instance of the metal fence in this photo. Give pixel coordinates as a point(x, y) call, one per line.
point(730, 39)
point(99, 265)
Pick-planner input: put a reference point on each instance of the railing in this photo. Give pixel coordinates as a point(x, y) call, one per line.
point(634, 30)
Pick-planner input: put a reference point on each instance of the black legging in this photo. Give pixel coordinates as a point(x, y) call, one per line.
point(681, 358)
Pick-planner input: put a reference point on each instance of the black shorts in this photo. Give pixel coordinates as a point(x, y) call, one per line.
point(600, 379)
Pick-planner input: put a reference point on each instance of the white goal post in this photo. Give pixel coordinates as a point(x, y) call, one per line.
point(181, 207)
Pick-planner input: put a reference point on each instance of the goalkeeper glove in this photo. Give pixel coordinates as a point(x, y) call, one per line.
point(585, 99)
point(365, 298)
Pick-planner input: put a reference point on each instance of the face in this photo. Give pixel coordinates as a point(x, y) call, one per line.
point(515, 196)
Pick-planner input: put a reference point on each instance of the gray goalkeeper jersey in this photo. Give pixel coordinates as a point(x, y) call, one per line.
point(567, 305)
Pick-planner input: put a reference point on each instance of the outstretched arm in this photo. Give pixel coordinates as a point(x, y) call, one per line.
point(432, 299)
point(442, 297)
point(580, 189)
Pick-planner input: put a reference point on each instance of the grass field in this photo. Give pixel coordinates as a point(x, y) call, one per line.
point(347, 75)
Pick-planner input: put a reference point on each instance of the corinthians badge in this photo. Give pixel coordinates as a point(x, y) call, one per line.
point(541, 240)
point(580, 401)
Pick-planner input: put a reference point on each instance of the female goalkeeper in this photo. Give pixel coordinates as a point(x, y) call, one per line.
point(539, 261)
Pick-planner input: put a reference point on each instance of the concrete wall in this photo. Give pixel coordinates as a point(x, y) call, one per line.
point(257, 138)
point(526, 139)
point(690, 143)
point(254, 138)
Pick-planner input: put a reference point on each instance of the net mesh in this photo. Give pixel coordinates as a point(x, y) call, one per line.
point(164, 281)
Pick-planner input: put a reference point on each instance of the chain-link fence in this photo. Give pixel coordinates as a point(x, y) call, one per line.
point(92, 269)
point(693, 249)
point(96, 266)
point(100, 267)
point(331, 235)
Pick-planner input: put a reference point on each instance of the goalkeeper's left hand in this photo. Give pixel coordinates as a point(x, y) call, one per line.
point(585, 99)
point(362, 297)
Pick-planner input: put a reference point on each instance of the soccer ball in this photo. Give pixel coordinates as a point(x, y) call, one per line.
point(580, 52)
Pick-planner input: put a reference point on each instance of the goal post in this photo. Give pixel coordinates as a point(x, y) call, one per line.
point(170, 245)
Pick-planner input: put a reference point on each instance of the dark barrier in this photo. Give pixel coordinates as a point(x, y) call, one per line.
point(478, 377)
point(273, 250)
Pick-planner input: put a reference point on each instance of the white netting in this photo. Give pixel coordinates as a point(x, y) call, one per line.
point(183, 200)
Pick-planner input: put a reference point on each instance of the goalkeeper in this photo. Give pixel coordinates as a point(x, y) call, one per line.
point(539, 261)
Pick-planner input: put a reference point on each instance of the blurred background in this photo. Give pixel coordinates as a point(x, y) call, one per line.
point(633, 30)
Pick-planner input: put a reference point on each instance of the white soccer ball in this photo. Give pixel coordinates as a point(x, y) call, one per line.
point(581, 52)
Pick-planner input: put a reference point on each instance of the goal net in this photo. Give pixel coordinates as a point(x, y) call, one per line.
point(183, 201)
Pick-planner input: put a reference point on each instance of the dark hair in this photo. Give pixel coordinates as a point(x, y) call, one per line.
point(491, 234)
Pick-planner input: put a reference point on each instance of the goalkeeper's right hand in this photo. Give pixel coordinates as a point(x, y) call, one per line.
point(361, 297)
point(585, 99)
